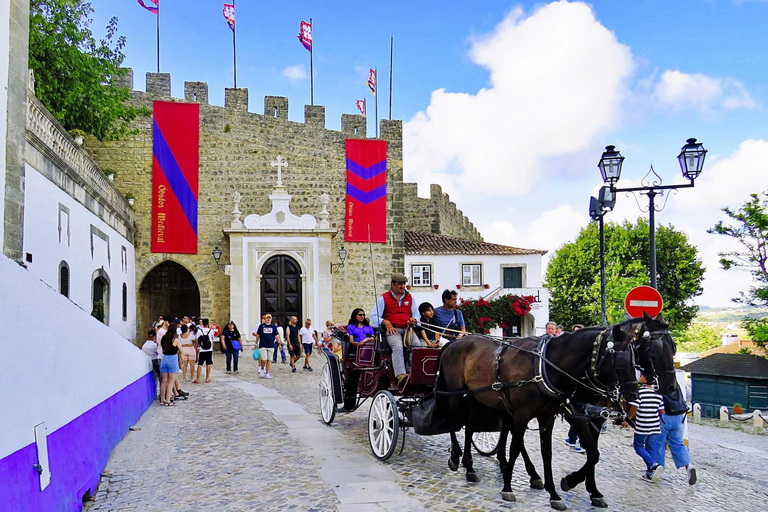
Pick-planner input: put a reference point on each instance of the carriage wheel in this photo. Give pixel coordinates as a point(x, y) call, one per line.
point(486, 443)
point(327, 400)
point(383, 424)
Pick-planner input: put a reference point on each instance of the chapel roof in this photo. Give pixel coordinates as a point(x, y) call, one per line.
point(730, 365)
point(422, 242)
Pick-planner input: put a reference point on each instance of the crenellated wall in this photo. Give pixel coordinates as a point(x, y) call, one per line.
point(436, 213)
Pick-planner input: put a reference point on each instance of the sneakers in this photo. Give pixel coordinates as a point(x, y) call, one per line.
point(183, 394)
point(656, 472)
point(569, 443)
point(262, 372)
point(646, 478)
point(305, 367)
point(691, 474)
point(229, 371)
point(268, 376)
point(309, 369)
point(293, 369)
point(579, 449)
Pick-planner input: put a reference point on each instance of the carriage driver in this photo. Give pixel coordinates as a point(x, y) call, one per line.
point(396, 310)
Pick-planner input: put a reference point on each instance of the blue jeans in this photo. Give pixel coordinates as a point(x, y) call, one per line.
point(645, 447)
point(572, 437)
point(282, 354)
point(232, 354)
point(672, 430)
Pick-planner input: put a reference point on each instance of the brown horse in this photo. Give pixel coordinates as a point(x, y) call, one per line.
point(531, 379)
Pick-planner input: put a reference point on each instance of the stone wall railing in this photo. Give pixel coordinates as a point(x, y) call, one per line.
point(44, 127)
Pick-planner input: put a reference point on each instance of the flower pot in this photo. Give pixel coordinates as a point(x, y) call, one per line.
point(79, 140)
point(437, 286)
point(458, 286)
point(737, 409)
point(407, 287)
point(131, 201)
point(486, 286)
point(111, 177)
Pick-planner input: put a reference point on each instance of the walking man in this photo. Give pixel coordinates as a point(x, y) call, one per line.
point(294, 346)
point(205, 355)
point(395, 311)
point(672, 425)
point(449, 317)
point(308, 339)
point(266, 336)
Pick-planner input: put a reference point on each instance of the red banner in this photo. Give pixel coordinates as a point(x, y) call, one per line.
point(175, 161)
point(366, 203)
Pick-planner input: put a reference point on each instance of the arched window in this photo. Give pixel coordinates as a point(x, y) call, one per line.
point(64, 278)
point(100, 291)
point(125, 302)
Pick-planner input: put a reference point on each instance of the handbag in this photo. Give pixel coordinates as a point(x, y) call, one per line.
point(256, 354)
point(236, 345)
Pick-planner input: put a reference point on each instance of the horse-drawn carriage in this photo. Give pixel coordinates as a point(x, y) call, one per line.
point(366, 371)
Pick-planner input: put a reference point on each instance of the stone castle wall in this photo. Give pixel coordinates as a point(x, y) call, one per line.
point(236, 148)
point(436, 213)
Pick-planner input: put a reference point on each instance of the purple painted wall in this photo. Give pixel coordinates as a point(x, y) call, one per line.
point(77, 453)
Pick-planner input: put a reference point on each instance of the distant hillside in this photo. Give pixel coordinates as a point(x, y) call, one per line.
point(729, 315)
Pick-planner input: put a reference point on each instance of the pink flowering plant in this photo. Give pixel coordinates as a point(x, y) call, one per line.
point(481, 315)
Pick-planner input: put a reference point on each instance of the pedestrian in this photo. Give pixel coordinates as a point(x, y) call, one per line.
point(266, 337)
point(188, 351)
point(231, 345)
point(672, 426)
point(308, 340)
point(169, 365)
point(329, 342)
point(426, 331)
point(205, 352)
point(294, 346)
point(449, 317)
point(359, 330)
point(158, 322)
point(280, 343)
point(150, 348)
point(396, 311)
point(645, 412)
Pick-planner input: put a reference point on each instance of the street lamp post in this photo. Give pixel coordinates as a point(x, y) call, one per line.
point(598, 207)
point(691, 160)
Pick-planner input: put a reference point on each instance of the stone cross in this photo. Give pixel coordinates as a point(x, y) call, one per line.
point(279, 163)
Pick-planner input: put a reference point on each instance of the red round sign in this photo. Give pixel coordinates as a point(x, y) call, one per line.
point(643, 299)
point(216, 331)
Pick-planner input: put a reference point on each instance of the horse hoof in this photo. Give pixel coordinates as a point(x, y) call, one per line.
point(508, 496)
point(599, 502)
point(472, 477)
point(557, 505)
point(453, 466)
point(537, 483)
point(564, 485)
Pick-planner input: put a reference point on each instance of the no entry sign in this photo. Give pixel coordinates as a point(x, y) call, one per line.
point(643, 299)
point(216, 331)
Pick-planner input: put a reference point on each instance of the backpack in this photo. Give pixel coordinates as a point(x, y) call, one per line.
point(204, 340)
point(674, 405)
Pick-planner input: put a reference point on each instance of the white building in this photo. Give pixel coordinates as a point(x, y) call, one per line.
point(474, 269)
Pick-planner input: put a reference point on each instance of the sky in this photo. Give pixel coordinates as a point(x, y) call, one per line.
point(508, 105)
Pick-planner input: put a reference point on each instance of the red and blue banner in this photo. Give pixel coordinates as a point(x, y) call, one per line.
point(175, 163)
point(229, 15)
point(154, 9)
point(305, 35)
point(366, 204)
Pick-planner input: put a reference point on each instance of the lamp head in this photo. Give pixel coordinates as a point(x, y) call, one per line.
point(610, 165)
point(342, 254)
point(691, 159)
point(216, 253)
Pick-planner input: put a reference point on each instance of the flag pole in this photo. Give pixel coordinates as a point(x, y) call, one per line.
point(376, 74)
point(391, 54)
point(234, 43)
point(158, 37)
point(311, 66)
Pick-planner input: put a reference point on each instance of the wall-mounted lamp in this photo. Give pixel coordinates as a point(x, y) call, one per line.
point(335, 267)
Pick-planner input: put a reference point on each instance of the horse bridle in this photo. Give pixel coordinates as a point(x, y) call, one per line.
point(652, 344)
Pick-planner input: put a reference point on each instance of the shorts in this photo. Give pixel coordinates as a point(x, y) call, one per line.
point(295, 349)
point(188, 353)
point(205, 358)
point(266, 354)
point(307, 348)
point(169, 364)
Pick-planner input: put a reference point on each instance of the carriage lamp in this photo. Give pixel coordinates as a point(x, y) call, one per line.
point(691, 159)
point(610, 165)
point(216, 253)
point(335, 267)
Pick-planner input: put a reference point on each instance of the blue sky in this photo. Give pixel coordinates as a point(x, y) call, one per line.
point(508, 104)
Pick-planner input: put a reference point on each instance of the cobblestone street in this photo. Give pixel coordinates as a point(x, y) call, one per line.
point(246, 443)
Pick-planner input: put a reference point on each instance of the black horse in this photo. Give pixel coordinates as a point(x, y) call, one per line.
point(533, 377)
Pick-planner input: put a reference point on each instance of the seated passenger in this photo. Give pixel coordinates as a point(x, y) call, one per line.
point(359, 330)
point(449, 317)
point(329, 342)
point(429, 337)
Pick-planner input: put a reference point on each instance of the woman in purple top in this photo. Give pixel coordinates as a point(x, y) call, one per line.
point(359, 330)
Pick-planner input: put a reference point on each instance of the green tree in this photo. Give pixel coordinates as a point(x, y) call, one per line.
point(74, 74)
point(573, 274)
point(748, 227)
point(698, 337)
point(757, 329)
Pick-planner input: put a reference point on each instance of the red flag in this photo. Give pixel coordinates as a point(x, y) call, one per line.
point(175, 164)
point(366, 204)
point(361, 106)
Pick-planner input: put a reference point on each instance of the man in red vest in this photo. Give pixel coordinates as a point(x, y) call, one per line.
point(396, 310)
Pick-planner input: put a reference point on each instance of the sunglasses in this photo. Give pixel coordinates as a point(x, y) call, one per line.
point(360, 314)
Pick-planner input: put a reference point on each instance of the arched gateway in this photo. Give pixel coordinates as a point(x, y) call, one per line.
point(170, 290)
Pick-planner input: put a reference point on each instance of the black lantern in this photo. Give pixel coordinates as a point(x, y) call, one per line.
point(216, 253)
point(691, 159)
point(335, 267)
point(610, 165)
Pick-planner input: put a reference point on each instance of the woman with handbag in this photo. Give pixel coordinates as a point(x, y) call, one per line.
point(231, 345)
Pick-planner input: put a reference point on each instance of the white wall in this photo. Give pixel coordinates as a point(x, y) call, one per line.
point(48, 249)
point(64, 362)
point(447, 274)
point(5, 40)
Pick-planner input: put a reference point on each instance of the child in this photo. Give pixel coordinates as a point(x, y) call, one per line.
point(646, 414)
point(428, 336)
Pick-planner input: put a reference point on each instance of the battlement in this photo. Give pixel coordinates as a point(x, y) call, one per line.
point(436, 213)
point(158, 86)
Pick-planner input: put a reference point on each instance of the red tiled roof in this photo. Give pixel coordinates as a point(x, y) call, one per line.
point(422, 242)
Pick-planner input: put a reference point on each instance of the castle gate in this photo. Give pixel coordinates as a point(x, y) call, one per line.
point(170, 290)
point(281, 289)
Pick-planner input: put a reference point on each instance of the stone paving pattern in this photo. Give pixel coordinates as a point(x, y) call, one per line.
point(211, 452)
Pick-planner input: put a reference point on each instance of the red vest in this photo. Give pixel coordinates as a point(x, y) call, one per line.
point(398, 315)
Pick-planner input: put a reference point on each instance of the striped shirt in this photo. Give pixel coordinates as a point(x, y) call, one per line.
point(647, 416)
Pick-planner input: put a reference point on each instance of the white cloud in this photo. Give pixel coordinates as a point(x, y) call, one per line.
point(549, 96)
point(295, 73)
point(680, 90)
